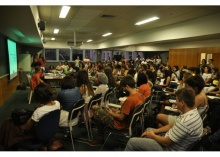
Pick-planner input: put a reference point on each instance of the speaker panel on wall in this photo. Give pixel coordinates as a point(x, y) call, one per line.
point(41, 25)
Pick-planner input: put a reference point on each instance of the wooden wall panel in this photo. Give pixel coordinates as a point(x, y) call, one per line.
point(7, 88)
point(191, 56)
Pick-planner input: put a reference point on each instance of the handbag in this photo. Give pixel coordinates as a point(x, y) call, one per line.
point(20, 116)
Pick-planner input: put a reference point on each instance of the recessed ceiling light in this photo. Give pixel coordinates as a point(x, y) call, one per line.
point(56, 31)
point(147, 20)
point(64, 11)
point(89, 40)
point(104, 35)
point(52, 38)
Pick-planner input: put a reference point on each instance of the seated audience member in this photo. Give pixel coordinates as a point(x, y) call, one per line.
point(111, 79)
point(114, 118)
point(51, 69)
point(77, 61)
point(165, 83)
point(92, 69)
point(68, 95)
point(142, 84)
point(85, 86)
point(165, 101)
point(59, 67)
point(103, 86)
point(196, 83)
point(36, 77)
point(11, 134)
point(131, 72)
point(210, 61)
point(179, 135)
point(153, 68)
point(216, 90)
point(73, 70)
point(150, 77)
point(186, 75)
point(214, 71)
point(214, 84)
point(176, 71)
point(65, 67)
point(207, 75)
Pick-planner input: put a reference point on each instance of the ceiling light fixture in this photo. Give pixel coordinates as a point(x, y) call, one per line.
point(56, 31)
point(104, 35)
point(89, 40)
point(147, 20)
point(52, 38)
point(64, 11)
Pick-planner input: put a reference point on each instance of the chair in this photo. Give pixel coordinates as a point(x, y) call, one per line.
point(107, 96)
point(73, 113)
point(197, 145)
point(45, 130)
point(96, 99)
point(204, 113)
point(31, 89)
point(133, 122)
point(146, 111)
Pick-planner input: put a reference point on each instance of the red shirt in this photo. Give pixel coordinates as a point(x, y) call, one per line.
point(127, 108)
point(34, 80)
point(145, 90)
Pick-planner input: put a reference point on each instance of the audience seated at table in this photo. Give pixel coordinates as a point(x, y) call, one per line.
point(51, 69)
point(59, 67)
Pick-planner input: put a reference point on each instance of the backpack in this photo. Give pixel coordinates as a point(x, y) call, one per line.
point(20, 116)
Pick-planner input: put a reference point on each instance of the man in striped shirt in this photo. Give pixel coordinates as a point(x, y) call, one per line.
point(187, 128)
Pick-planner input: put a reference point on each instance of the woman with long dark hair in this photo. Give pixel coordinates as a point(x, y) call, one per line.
point(85, 86)
point(142, 83)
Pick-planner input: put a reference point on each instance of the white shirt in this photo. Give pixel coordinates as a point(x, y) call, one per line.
point(41, 111)
point(206, 76)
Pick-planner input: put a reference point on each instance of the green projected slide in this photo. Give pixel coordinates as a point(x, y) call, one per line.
point(12, 55)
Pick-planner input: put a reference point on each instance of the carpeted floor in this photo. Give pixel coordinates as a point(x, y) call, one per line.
point(19, 99)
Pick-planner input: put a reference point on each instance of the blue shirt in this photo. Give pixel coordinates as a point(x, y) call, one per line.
point(68, 97)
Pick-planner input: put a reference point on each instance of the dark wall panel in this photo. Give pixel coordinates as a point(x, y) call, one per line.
point(3, 56)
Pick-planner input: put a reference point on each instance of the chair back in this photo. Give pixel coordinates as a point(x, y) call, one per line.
point(95, 99)
point(134, 118)
point(146, 103)
point(48, 126)
point(198, 143)
point(75, 109)
point(29, 79)
point(107, 94)
point(204, 113)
